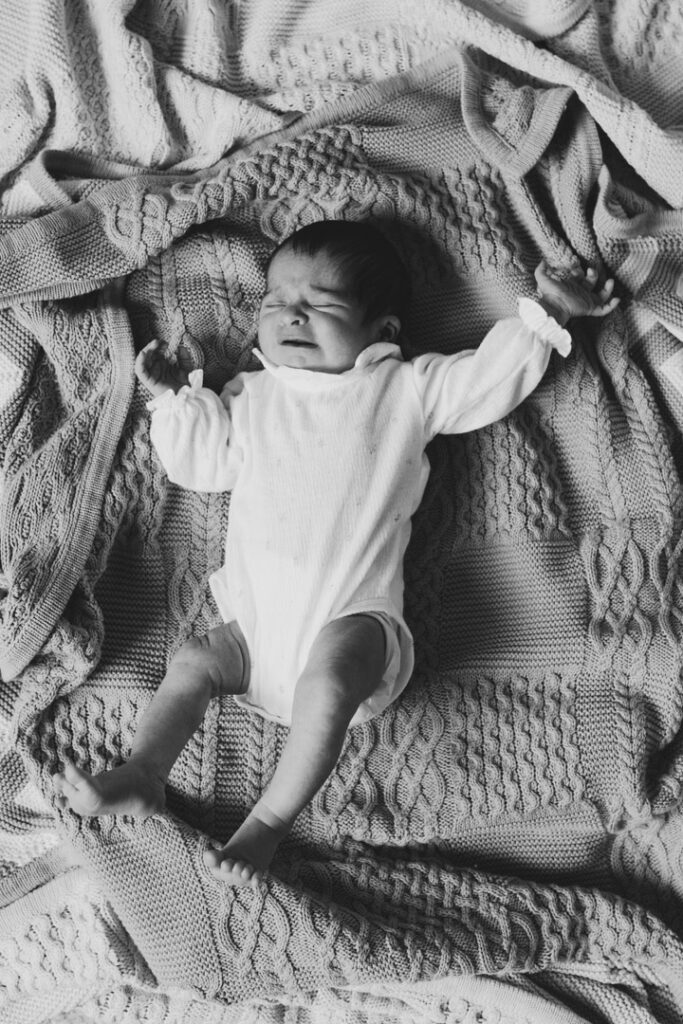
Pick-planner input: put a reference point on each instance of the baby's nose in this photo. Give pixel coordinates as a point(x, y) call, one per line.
point(294, 314)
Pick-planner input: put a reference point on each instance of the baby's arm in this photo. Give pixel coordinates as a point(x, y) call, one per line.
point(468, 390)
point(191, 426)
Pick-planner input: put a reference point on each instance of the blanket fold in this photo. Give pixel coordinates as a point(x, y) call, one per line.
point(77, 452)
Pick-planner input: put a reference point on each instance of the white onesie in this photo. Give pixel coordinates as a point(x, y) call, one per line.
point(326, 471)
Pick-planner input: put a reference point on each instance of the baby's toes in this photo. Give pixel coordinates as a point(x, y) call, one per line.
point(219, 865)
point(246, 873)
point(231, 870)
point(238, 872)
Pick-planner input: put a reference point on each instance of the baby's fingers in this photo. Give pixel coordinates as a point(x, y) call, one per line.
point(577, 273)
point(605, 307)
point(154, 347)
point(150, 362)
point(152, 353)
point(147, 351)
point(591, 278)
point(606, 302)
point(543, 270)
point(605, 292)
point(612, 304)
point(546, 277)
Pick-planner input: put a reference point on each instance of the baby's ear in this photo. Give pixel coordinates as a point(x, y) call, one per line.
point(389, 328)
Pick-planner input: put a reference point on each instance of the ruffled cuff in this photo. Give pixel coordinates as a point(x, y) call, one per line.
point(537, 320)
point(196, 378)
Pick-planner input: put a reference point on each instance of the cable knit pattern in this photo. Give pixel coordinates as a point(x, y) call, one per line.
point(503, 843)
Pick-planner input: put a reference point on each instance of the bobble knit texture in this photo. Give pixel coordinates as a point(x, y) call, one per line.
point(503, 844)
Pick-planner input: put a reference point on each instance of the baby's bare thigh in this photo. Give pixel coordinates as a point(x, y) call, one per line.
point(351, 651)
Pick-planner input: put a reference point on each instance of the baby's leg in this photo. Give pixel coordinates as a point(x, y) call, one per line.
point(344, 668)
point(201, 669)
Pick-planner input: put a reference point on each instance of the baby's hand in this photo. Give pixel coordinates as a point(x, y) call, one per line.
point(154, 369)
point(575, 295)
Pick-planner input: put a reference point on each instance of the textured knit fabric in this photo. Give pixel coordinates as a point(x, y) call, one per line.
point(326, 471)
point(504, 843)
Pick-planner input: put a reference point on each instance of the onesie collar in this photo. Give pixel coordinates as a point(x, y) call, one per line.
point(316, 380)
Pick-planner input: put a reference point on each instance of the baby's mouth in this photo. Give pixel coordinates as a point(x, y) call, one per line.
point(298, 343)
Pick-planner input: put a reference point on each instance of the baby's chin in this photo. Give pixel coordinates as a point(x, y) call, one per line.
point(307, 358)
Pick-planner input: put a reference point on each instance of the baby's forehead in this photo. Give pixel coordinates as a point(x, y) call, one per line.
point(320, 269)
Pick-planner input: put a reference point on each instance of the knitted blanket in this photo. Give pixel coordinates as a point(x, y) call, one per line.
point(504, 844)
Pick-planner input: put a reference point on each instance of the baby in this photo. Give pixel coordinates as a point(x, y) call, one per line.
point(324, 452)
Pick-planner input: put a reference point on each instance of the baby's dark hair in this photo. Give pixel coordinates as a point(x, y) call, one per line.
point(371, 266)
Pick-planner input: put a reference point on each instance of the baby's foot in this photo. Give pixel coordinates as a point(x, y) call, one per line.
point(132, 788)
point(246, 857)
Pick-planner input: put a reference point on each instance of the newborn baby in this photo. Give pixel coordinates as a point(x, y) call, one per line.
point(324, 452)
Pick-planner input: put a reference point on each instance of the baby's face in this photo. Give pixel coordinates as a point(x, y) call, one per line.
point(309, 319)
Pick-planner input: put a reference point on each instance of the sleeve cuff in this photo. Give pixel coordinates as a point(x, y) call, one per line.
point(536, 319)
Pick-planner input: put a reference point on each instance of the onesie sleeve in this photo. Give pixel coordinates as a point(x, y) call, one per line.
point(192, 434)
point(475, 387)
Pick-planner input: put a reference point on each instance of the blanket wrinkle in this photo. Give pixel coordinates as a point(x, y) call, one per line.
point(504, 844)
